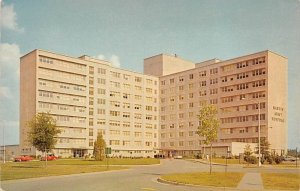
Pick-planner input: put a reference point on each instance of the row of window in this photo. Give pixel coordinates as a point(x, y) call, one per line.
point(70, 108)
point(215, 90)
point(136, 78)
point(181, 125)
point(61, 75)
point(241, 130)
point(225, 68)
point(50, 84)
point(63, 97)
point(129, 143)
point(243, 118)
point(180, 143)
point(125, 124)
point(61, 63)
point(180, 134)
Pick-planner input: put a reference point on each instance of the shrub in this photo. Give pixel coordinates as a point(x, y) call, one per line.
point(269, 158)
point(251, 159)
point(278, 159)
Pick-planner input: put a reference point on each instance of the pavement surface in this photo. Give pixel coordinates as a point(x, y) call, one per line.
point(137, 178)
point(251, 181)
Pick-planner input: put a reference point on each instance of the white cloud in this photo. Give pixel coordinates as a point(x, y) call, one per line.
point(5, 92)
point(9, 59)
point(100, 57)
point(114, 60)
point(9, 18)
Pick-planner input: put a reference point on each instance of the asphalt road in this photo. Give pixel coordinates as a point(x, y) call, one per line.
point(136, 178)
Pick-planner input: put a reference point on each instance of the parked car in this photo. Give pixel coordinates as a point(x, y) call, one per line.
point(23, 158)
point(178, 157)
point(160, 156)
point(50, 157)
point(290, 158)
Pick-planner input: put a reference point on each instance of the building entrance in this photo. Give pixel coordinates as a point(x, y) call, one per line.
point(78, 153)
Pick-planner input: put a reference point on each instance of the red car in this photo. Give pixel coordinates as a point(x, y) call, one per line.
point(23, 158)
point(50, 157)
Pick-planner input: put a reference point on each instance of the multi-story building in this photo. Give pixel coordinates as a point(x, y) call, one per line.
point(141, 113)
point(88, 96)
point(237, 87)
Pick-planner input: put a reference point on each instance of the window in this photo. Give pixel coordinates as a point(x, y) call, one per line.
point(181, 78)
point(213, 71)
point(149, 90)
point(101, 71)
point(115, 84)
point(138, 79)
point(202, 83)
point(101, 91)
point(191, 105)
point(101, 111)
point(126, 77)
point(114, 113)
point(126, 96)
point(126, 114)
point(213, 91)
point(202, 73)
point(214, 81)
point(137, 97)
point(172, 81)
point(180, 143)
point(91, 70)
point(91, 142)
point(101, 81)
point(259, 83)
point(101, 101)
point(115, 74)
point(181, 115)
point(114, 142)
point(191, 76)
point(91, 91)
point(242, 86)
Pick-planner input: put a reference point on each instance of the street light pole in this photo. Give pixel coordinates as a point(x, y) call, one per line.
point(259, 157)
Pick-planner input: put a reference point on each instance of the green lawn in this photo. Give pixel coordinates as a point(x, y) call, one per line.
point(217, 179)
point(22, 170)
point(281, 181)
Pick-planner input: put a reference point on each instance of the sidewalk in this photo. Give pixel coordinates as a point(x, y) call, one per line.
point(251, 181)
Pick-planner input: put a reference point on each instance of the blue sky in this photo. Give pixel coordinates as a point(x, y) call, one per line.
point(127, 31)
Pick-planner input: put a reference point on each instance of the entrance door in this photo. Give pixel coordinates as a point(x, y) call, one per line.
point(78, 153)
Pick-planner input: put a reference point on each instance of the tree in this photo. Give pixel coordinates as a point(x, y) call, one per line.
point(208, 127)
point(248, 155)
point(264, 150)
point(42, 132)
point(247, 151)
point(99, 148)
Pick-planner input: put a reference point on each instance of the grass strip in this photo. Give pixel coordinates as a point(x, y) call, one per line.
point(217, 179)
point(32, 169)
point(281, 181)
point(21, 171)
